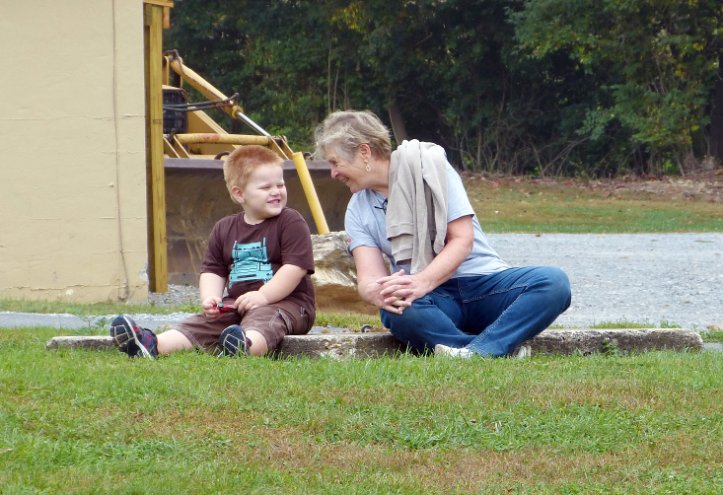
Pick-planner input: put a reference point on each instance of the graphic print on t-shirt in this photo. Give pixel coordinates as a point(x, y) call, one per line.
point(250, 263)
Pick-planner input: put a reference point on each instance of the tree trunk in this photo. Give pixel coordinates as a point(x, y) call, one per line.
point(398, 128)
point(716, 118)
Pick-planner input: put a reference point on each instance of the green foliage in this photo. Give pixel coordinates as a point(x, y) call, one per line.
point(540, 87)
point(654, 64)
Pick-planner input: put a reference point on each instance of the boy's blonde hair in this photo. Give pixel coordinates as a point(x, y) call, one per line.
point(243, 161)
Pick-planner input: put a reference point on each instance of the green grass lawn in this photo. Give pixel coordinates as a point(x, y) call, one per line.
point(84, 422)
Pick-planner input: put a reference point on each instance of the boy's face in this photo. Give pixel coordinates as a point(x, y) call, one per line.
point(264, 195)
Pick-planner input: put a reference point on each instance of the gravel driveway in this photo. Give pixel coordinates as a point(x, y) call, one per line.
point(643, 278)
point(653, 279)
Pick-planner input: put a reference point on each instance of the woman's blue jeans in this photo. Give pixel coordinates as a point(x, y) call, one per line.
point(489, 314)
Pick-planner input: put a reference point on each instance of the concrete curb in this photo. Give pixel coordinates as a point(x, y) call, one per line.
point(367, 345)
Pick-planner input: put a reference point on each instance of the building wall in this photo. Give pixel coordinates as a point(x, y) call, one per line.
point(72, 151)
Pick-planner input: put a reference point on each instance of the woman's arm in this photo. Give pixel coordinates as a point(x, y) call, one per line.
point(370, 267)
point(402, 290)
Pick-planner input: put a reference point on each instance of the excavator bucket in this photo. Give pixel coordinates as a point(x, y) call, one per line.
point(196, 197)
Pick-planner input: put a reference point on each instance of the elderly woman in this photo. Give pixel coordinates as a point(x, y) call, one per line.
point(447, 289)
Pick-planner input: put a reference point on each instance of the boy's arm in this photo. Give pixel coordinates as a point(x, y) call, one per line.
point(211, 288)
point(279, 287)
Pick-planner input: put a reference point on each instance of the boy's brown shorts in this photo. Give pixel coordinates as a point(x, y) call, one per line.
point(272, 321)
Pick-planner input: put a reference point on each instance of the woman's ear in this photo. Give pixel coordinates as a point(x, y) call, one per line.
point(365, 151)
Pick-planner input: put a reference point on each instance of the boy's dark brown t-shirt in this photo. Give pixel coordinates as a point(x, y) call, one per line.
point(249, 255)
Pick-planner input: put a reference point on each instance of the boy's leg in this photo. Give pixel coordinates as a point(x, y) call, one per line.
point(201, 332)
point(234, 342)
point(512, 306)
point(173, 341)
point(132, 339)
point(136, 341)
point(265, 328)
point(258, 346)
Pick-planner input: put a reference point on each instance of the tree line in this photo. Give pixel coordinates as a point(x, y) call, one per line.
point(545, 87)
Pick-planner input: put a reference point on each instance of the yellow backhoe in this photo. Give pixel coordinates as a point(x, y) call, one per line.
point(186, 148)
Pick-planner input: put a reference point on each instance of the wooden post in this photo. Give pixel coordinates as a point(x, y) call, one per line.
point(153, 15)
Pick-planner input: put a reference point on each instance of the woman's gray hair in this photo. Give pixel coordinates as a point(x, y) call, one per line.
point(345, 130)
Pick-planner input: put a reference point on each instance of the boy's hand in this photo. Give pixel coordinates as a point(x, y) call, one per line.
point(210, 307)
point(251, 300)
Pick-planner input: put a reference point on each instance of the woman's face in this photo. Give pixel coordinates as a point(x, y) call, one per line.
point(351, 173)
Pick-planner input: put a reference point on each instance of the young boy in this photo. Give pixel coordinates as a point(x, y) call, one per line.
point(262, 256)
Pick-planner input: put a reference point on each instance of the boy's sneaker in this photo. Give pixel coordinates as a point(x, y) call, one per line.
point(442, 350)
point(132, 339)
point(233, 341)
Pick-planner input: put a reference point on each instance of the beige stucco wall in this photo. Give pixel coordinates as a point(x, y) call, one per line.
point(72, 151)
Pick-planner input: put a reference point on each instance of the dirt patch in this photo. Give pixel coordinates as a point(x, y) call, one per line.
point(699, 186)
point(702, 186)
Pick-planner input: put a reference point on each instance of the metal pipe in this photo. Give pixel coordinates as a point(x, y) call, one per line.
point(195, 80)
point(199, 138)
point(306, 183)
point(210, 92)
point(251, 123)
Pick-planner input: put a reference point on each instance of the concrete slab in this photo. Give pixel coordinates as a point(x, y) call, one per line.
point(375, 344)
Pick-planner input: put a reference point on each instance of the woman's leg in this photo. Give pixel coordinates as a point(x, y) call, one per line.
point(512, 306)
point(429, 321)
